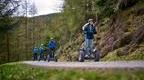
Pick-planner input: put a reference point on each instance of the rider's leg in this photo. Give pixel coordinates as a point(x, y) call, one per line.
point(35, 56)
point(50, 52)
point(47, 53)
point(88, 46)
point(41, 56)
point(53, 52)
point(85, 42)
point(91, 45)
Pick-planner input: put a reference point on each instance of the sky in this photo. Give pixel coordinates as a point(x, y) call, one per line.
point(48, 6)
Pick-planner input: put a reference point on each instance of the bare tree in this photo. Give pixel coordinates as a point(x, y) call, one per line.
point(29, 9)
point(32, 9)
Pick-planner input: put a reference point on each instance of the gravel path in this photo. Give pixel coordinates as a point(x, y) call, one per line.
point(88, 65)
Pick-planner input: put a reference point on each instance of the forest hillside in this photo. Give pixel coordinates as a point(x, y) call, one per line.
point(120, 31)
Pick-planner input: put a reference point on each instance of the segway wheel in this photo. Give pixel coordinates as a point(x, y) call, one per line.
point(81, 56)
point(97, 56)
point(48, 58)
point(56, 60)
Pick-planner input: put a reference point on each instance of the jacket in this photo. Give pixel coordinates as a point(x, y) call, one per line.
point(52, 44)
point(35, 50)
point(89, 30)
point(41, 50)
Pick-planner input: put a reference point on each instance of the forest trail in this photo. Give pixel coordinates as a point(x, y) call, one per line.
point(88, 65)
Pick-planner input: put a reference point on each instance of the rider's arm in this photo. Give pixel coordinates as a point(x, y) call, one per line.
point(94, 30)
point(56, 44)
point(83, 28)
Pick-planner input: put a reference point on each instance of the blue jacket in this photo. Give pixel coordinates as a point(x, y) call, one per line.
point(35, 50)
point(89, 30)
point(52, 44)
point(41, 50)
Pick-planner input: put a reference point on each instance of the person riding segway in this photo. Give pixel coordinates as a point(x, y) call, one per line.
point(52, 45)
point(35, 53)
point(41, 52)
point(88, 51)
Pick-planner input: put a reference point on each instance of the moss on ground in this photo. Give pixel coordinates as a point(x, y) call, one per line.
point(138, 54)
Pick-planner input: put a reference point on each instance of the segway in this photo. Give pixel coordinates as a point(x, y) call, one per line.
point(85, 54)
point(51, 56)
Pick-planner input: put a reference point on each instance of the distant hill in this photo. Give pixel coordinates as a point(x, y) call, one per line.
point(46, 17)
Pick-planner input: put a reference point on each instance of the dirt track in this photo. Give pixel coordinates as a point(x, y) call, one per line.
point(87, 65)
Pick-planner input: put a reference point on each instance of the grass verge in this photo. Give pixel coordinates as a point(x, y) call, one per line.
point(24, 72)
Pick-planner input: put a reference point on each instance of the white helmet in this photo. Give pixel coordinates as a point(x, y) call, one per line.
point(51, 38)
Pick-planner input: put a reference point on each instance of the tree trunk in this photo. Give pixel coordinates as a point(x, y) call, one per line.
point(26, 33)
point(8, 46)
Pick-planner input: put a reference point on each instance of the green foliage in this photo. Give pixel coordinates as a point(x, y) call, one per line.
point(15, 71)
point(112, 22)
point(66, 27)
point(106, 7)
point(138, 54)
point(7, 24)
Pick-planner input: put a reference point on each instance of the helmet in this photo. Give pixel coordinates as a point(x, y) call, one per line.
point(89, 20)
point(51, 38)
